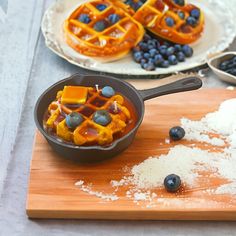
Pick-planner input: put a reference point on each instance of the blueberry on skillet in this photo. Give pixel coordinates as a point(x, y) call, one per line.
point(100, 25)
point(73, 120)
point(102, 117)
point(101, 7)
point(113, 18)
point(84, 18)
point(108, 91)
point(169, 21)
point(172, 183)
point(176, 133)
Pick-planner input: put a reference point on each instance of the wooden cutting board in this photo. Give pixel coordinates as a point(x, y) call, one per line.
point(52, 192)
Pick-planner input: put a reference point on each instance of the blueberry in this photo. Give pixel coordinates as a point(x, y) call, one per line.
point(179, 2)
point(157, 43)
point(176, 133)
point(143, 46)
point(169, 21)
point(191, 21)
point(153, 52)
point(165, 64)
point(101, 7)
point(138, 56)
point(100, 25)
point(151, 60)
point(143, 61)
point(170, 51)
point(136, 5)
point(195, 13)
point(187, 50)
point(146, 55)
point(149, 66)
point(172, 60)
point(113, 18)
point(163, 49)
point(233, 71)
point(102, 117)
point(158, 59)
point(181, 15)
point(230, 65)
point(108, 91)
point(136, 49)
point(84, 18)
point(180, 56)
point(177, 47)
point(223, 65)
point(150, 46)
point(172, 183)
point(146, 37)
point(74, 119)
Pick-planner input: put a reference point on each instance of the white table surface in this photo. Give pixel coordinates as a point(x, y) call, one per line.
point(27, 67)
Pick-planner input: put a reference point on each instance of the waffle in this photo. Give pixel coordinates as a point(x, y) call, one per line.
point(113, 42)
point(152, 15)
point(88, 132)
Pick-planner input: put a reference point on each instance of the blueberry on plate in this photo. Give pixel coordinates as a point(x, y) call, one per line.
point(102, 117)
point(162, 50)
point(165, 64)
point(195, 13)
point(108, 91)
point(84, 18)
point(100, 25)
point(172, 183)
point(176, 133)
point(113, 18)
point(187, 50)
point(74, 119)
point(172, 60)
point(101, 7)
point(158, 59)
point(170, 51)
point(138, 56)
point(180, 56)
point(179, 2)
point(191, 21)
point(146, 55)
point(143, 61)
point(169, 21)
point(149, 66)
point(153, 52)
point(181, 15)
point(177, 47)
point(143, 46)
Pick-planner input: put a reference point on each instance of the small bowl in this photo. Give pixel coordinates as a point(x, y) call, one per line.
point(214, 63)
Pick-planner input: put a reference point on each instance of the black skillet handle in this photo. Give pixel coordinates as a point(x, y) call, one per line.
point(186, 84)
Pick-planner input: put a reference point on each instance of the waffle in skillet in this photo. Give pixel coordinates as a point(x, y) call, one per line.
point(101, 30)
point(86, 101)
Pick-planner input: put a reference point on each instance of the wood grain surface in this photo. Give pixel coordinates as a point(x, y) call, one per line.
point(52, 192)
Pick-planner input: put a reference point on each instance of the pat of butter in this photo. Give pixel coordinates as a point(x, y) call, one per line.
point(74, 95)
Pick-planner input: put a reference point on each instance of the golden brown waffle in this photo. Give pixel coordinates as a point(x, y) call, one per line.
point(153, 13)
point(110, 44)
point(89, 132)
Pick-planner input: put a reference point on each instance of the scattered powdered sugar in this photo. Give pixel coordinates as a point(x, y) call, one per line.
point(221, 122)
point(88, 189)
point(189, 162)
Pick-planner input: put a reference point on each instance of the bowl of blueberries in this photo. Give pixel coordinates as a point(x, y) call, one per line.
point(224, 66)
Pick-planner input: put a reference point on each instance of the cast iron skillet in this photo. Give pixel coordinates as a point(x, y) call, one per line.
point(137, 97)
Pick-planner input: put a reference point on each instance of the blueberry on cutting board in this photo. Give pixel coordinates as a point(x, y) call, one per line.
point(172, 183)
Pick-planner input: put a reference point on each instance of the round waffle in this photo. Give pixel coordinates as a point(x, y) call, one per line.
point(152, 14)
point(88, 132)
point(109, 44)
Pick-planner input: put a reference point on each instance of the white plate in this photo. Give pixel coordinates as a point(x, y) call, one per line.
point(219, 32)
